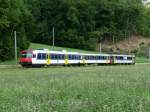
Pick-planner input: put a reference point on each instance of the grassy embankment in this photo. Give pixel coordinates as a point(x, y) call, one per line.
point(36, 46)
point(76, 89)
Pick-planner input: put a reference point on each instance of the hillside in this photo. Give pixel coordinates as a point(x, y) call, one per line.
point(38, 46)
point(128, 45)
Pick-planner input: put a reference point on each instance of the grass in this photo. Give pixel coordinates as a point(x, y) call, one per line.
point(142, 60)
point(37, 46)
point(9, 62)
point(75, 89)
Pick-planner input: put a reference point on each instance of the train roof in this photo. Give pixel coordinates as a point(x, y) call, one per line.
point(75, 53)
point(24, 51)
point(124, 55)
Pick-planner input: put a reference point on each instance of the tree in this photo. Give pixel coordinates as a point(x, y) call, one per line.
point(13, 17)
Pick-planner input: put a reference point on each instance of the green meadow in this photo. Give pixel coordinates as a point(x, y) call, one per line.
point(38, 46)
point(75, 89)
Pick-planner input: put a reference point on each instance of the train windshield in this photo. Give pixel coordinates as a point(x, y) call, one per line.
point(26, 55)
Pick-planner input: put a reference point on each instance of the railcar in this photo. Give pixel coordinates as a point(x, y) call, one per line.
point(45, 57)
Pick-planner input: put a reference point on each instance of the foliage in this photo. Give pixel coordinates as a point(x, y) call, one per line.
point(13, 16)
point(78, 23)
point(144, 26)
point(75, 21)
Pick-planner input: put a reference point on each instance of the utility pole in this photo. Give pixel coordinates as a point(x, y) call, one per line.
point(113, 43)
point(149, 54)
point(53, 36)
point(100, 47)
point(100, 44)
point(15, 39)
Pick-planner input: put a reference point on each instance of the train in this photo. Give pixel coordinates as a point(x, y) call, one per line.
point(45, 57)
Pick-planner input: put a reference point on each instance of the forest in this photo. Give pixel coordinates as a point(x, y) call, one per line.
point(78, 23)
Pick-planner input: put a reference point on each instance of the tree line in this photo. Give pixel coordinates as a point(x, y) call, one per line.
point(78, 23)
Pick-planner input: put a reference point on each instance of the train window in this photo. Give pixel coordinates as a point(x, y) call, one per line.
point(69, 57)
point(26, 55)
point(39, 56)
point(52, 56)
point(91, 57)
point(34, 55)
point(78, 57)
point(59, 56)
point(111, 57)
point(102, 57)
point(129, 58)
point(43, 56)
point(99, 57)
point(63, 56)
point(86, 57)
point(96, 57)
point(116, 57)
point(125, 58)
point(119, 57)
point(73, 57)
point(56, 57)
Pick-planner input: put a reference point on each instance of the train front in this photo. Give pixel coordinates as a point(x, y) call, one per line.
point(26, 58)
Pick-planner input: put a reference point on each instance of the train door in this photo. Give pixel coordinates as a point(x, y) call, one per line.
point(82, 59)
point(66, 59)
point(48, 59)
point(84, 62)
point(133, 60)
point(112, 59)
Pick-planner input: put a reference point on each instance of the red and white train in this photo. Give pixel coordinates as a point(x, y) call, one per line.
point(42, 57)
